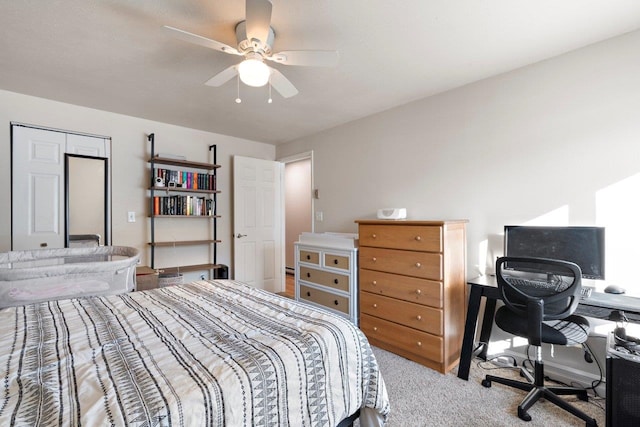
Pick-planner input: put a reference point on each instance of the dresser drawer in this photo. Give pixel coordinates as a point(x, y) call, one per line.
point(310, 257)
point(326, 299)
point(415, 238)
point(336, 261)
point(325, 278)
point(412, 289)
point(419, 343)
point(422, 317)
point(409, 263)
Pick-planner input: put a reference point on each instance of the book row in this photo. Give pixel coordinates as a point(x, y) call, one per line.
point(182, 205)
point(183, 179)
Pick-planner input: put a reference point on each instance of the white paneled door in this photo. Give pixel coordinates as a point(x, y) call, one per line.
point(38, 183)
point(258, 232)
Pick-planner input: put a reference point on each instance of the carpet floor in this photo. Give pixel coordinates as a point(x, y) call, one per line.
point(420, 396)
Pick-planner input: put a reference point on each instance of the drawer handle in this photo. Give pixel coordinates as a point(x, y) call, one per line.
point(308, 274)
point(419, 343)
point(374, 236)
point(375, 305)
point(418, 292)
point(374, 259)
point(336, 281)
point(418, 265)
point(418, 317)
point(335, 302)
point(308, 256)
point(375, 329)
point(335, 261)
point(308, 294)
point(418, 238)
point(375, 282)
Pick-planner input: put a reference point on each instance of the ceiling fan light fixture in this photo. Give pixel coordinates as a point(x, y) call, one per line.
point(254, 72)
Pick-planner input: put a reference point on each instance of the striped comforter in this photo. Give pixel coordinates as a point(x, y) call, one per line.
point(207, 353)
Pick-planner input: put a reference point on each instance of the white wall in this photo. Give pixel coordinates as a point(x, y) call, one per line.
point(554, 143)
point(557, 142)
point(130, 152)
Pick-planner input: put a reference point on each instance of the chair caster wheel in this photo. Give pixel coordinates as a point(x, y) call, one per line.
point(486, 383)
point(523, 415)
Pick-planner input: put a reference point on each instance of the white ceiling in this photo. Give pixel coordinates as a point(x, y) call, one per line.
point(113, 55)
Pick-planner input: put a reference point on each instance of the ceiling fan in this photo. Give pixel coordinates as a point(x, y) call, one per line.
point(255, 40)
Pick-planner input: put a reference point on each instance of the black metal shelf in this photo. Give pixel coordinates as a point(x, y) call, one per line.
point(153, 189)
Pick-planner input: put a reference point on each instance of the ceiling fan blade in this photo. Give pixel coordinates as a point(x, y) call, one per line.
point(202, 41)
point(258, 17)
point(223, 76)
point(314, 58)
point(280, 83)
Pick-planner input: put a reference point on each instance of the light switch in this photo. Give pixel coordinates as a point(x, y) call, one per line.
point(131, 216)
point(319, 216)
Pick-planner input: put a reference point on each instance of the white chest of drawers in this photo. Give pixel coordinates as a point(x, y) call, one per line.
point(328, 277)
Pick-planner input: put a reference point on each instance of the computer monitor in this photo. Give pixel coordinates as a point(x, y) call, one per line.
point(581, 245)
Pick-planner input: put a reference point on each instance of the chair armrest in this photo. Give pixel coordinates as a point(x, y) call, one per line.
point(535, 312)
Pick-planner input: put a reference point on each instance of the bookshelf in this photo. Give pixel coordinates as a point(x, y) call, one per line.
point(186, 191)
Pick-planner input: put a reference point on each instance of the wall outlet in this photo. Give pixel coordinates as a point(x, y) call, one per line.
point(319, 216)
point(131, 216)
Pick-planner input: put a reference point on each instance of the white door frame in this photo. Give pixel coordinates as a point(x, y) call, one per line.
point(290, 159)
point(295, 158)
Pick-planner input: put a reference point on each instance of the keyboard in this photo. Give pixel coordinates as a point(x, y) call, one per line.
point(532, 284)
point(519, 281)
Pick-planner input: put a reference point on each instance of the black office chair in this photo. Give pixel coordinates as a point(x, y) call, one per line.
point(541, 311)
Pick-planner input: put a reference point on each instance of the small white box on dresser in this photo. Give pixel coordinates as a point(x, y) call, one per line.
point(392, 213)
point(326, 272)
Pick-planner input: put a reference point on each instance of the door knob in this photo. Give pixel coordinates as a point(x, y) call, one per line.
point(241, 235)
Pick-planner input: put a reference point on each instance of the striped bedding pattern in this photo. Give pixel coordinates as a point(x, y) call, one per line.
point(207, 353)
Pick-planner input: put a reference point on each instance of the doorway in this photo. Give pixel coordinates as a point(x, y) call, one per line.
point(298, 201)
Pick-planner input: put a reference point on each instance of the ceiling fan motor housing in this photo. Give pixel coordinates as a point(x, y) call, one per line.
point(255, 45)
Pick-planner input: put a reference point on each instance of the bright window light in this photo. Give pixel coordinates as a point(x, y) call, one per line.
point(617, 208)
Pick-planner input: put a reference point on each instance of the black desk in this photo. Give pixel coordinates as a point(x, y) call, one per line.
point(599, 305)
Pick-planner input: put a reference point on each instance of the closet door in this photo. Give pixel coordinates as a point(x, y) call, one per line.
point(87, 146)
point(37, 211)
point(38, 185)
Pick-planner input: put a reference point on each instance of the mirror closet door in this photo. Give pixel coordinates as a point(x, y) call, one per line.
point(39, 216)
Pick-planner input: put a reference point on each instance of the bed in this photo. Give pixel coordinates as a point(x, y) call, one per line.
point(206, 353)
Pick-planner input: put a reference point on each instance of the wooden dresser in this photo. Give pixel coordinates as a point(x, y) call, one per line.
point(413, 288)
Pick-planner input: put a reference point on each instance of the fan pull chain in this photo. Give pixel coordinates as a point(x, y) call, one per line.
point(238, 100)
point(270, 100)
